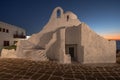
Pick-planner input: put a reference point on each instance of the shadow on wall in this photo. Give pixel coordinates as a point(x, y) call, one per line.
point(118, 46)
point(0, 50)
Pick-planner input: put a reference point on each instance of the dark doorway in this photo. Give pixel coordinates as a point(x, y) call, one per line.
point(71, 51)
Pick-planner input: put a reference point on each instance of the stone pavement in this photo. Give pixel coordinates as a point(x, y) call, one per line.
point(19, 69)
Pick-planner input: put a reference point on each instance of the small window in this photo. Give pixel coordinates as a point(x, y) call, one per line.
point(67, 17)
point(6, 43)
point(7, 31)
point(0, 29)
point(58, 13)
point(3, 29)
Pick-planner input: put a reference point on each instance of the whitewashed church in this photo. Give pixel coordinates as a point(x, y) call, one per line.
point(65, 39)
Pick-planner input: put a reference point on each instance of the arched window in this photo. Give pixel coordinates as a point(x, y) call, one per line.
point(58, 13)
point(67, 17)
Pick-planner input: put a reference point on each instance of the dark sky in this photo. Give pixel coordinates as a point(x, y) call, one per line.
point(103, 16)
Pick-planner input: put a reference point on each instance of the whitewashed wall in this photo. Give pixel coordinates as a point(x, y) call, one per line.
point(4, 36)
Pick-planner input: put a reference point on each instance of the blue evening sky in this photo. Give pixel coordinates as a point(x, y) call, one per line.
point(103, 16)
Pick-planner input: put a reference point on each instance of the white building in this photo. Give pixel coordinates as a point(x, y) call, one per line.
point(10, 34)
point(65, 39)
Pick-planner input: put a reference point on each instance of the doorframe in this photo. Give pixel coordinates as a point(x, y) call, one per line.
point(67, 46)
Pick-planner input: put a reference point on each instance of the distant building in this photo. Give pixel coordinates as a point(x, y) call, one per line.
point(10, 34)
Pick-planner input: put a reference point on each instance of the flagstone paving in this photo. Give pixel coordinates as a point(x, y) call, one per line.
point(20, 69)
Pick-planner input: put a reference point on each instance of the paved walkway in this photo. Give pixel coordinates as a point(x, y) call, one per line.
point(19, 69)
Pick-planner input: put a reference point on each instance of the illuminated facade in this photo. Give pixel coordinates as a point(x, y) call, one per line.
point(10, 34)
point(65, 39)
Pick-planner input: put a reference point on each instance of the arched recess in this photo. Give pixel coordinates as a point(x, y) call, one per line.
point(57, 13)
point(67, 17)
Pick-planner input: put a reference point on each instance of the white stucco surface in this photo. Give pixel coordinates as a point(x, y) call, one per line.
point(65, 39)
point(7, 32)
point(96, 48)
point(51, 38)
point(8, 53)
